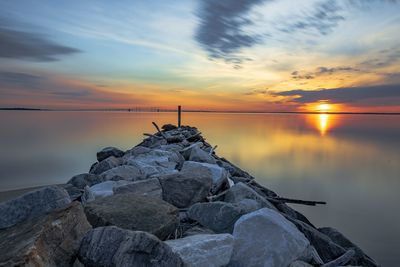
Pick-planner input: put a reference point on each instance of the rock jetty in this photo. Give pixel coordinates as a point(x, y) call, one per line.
point(169, 201)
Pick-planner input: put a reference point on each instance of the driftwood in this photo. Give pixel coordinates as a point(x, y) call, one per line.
point(213, 149)
point(152, 135)
point(159, 131)
point(193, 137)
point(342, 260)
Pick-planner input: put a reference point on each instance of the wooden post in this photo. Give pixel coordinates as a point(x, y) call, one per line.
point(179, 116)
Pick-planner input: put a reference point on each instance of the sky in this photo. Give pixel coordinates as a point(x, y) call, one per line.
point(226, 55)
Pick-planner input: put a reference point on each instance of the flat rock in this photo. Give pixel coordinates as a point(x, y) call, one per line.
point(108, 152)
point(149, 187)
point(241, 191)
point(265, 238)
point(85, 179)
point(115, 247)
point(197, 230)
point(124, 172)
point(105, 165)
point(133, 212)
point(185, 152)
point(105, 189)
point(300, 264)
point(51, 240)
point(199, 155)
point(183, 189)
point(73, 192)
point(204, 250)
point(32, 204)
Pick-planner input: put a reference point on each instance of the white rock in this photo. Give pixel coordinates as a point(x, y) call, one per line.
point(105, 189)
point(149, 187)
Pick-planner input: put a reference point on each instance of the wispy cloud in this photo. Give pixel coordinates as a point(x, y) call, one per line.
point(308, 75)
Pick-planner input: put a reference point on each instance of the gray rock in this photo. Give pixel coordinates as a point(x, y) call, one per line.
point(108, 152)
point(137, 150)
point(204, 250)
point(73, 192)
point(133, 212)
point(300, 264)
point(115, 247)
point(183, 189)
point(50, 240)
point(124, 172)
point(32, 204)
point(84, 179)
point(220, 216)
point(188, 150)
point(241, 191)
point(197, 230)
point(168, 127)
point(218, 174)
point(150, 187)
point(105, 165)
point(265, 238)
point(105, 189)
point(199, 155)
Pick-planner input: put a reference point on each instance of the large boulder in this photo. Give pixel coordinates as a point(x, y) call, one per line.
point(51, 240)
point(115, 247)
point(221, 216)
point(133, 212)
point(32, 204)
point(183, 189)
point(204, 250)
point(199, 155)
point(265, 238)
point(105, 189)
point(73, 192)
point(150, 187)
point(219, 175)
point(85, 179)
point(105, 165)
point(185, 152)
point(108, 152)
point(124, 172)
point(241, 191)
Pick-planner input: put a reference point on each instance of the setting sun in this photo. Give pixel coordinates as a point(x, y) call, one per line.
point(324, 107)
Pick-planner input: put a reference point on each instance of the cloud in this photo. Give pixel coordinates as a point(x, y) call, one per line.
point(257, 92)
point(343, 95)
point(303, 75)
point(220, 30)
point(17, 44)
point(16, 79)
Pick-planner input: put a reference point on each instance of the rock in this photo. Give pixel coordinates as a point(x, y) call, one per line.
point(77, 263)
point(108, 152)
point(197, 230)
point(105, 189)
point(300, 264)
point(233, 170)
point(73, 192)
point(168, 127)
point(220, 216)
point(124, 172)
point(115, 247)
point(84, 179)
point(199, 155)
point(136, 151)
point(51, 240)
point(32, 204)
point(183, 189)
point(218, 174)
point(187, 150)
point(133, 212)
point(265, 238)
point(105, 165)
point(87, 196)
point(204, 250)
point(149, 187)
point(242, 191)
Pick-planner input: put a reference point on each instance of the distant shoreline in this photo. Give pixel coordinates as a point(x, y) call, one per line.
point(201, 111)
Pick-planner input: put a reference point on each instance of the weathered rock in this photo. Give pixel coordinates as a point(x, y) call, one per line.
point(133, 212)
point(124, 172)
point(204, 250)
point(197, 230)
point(300, 264)
point(168, 127)
point(232, 169)
point(32, 204)
point(105, 189)
point(105, 165)
point(199, 155)
point(242, 191)
point(136, 151)
point(85, 179)
point(221, 216)
point(73, 192)
point(115, 247)
point(51, 240)
point(265, 238)
point(218, 174)
point(183, 189)
point(108, 152)
point(188, 150)
point(150, 187)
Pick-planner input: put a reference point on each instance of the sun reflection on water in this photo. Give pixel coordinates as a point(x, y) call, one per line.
point(323, 123)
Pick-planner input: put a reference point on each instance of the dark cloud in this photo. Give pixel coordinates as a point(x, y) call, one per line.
point(344, 95)
point(220, 28)
point(16, 79)
point(257, 92)
point(302, 75)
point(17, 44)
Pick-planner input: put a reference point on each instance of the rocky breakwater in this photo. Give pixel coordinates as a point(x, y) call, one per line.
point(169, 201)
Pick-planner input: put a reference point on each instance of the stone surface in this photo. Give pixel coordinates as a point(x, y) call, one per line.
point(32, 204)
point(124, 172)
point(115, 247)
point(242, 191)
point(204, 250)
point(197, 230)
point(300, 264)
point(187, 150)
point(150, 187)
point(105, 165)
point(183, 189)
point(265, 238)
point(84, 179)
point(51, 240)
point(133, 212)
point(199, 155)
point(105, 189)
point(73, 192)
point(108, 152)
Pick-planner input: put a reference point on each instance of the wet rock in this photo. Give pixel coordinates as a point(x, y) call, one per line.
point(32, 204)
point(204, 250)
point(199, 155)
point(183, 189)
point(105, 189)
point(85, 179)
point(73, 192)
point(108, 152)
point(124, 172)
point(51, 240)
point(265, 238)
point(105, 165)
point(133, 212)
point(242, 191)
point(115, 247)
point(150, 187)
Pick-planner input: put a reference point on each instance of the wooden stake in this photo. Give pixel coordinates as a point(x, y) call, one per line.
point(179, 116)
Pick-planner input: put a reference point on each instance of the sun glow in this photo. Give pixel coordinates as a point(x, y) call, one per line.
point(324, 107)
point(323, 123)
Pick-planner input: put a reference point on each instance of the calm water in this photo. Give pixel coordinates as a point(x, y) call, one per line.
point(350, 161)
